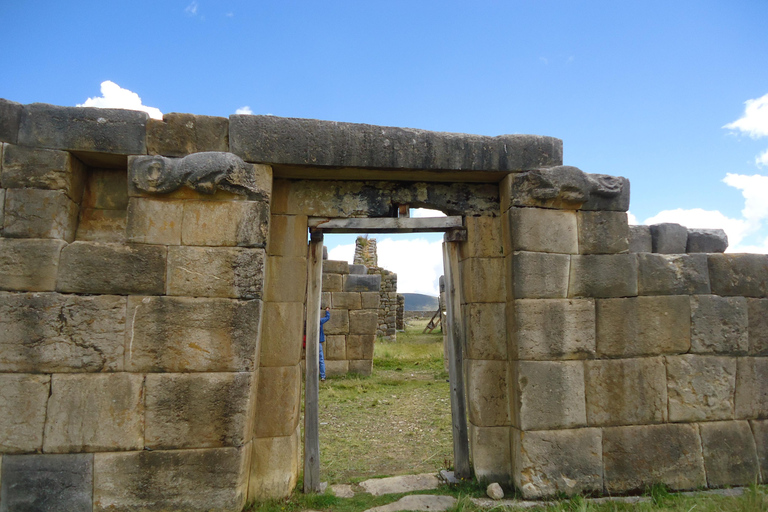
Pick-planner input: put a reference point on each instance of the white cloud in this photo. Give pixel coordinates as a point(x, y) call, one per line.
point(191, 9)
point(632, 219)
point(244, 111)
point(114, 96)
point(425, 212)
point(754, 122)
point(761, 160)
point(342, 253)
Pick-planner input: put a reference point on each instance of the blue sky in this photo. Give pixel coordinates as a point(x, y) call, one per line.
point(639, 89)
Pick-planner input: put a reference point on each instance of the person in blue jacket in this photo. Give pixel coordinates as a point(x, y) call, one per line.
point(322, 340)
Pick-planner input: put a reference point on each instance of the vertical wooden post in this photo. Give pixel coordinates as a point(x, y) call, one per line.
point(312, 383)
point(455, 334)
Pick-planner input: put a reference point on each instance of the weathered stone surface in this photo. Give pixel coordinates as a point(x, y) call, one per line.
point(332, 282)
point(154, 221)
point(286, 279)
point(288, 236)
point(558, 461)
point(106, 189)
point(706, 240)
point(360, 346)
point(93, 267)
point(338, 323)
point(33, 213)
point(370, 300)
point(106, 226)
point(363, 321)
point(719, 325)
point(181, 334)
point(182, 134)
point(482, 280)
point(730, 455)
point(494, 491)
point(325, 300)
point(757, 313)
point(335, 347)
point(2, 207)
point(752, 388)
point(194, 480)
point(418, 502)
point(487, 393)
point(548, 394)
point(538, 276)
point(281, 333)
point(354, 269)
point(98, 130)
point(274, 467)
point(29, 265)
point(491, 457)
point(643, 326)
point(543, 230)
point(336, 367)
point(669, 238)
point(23, 401)
point(607, 275)
point(400, 484)
point(232, 272)
point(483, 237)
point(95, 412)
point(46, 169)
point(553, 329)
point(47, 482)
point(672, 274)
point(277, 401)
point(336, 267)
point(198, 410)
point(10, 118)
point(626, 391)
point(739, 274)
point(760, 431)
point(361, 366)
point(636, 457)
point(362, 283)
point(640, 239)
point(567, 188)
point(700, 388)
point(486, 331)
point(603, 232)
point(218, 223)
point(50, 332)
point(346, 300)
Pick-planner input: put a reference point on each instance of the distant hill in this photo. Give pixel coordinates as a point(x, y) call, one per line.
point(420, 302)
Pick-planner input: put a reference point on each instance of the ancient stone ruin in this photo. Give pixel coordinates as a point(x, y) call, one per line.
point(154, 276)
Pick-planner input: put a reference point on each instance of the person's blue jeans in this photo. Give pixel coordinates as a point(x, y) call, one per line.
point(322, 363)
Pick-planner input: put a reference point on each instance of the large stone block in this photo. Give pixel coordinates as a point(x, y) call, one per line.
point(700, 388)
point(483, 237)
point(491, 457)
point(486, 331)
point(277, 401)
point(550, 462)
point(95, 413)
point(360, 346)
point(757, 313)
point(154, 221)
point(286, 279)
point(669, 238)
point(739, 274)
point(719, 325)
point(198, 410)
point(626, 391)
point(760, 431)
point(93, 267)
point(361, 366)
point(363, 321)
point(636, 457)
point(730, 454)
point(543, 230)
point(333, 368)
point(281, 333)
point(33, 213)
point(332, 282)
point(232, 272)
point(361, 283)
point(488, 393)
point(548, 395)
point(183, 134)
point(338, 323)
point(707, 240)
point(606, 275)
point(194, 480)
point(23, 402)
point(10, 117)
point(335, 348)
point(106, 189)
point(106, 226)
point(358, 268)
point(752, 388)
point(47, 482)
point(50, 332)
point(482, 280)
point(47, 169)
point(274, 467)
point(370, 300)
point(640, 239)
point(219, 223)
point(643, 326)
point(346, 300)
point(288, 236)
point(2, 206)
point(553, 329)
point(603, 232)
point(337, 267)
point(673, 274)
point(29, 265)
point(181, 334)
point(535, 275)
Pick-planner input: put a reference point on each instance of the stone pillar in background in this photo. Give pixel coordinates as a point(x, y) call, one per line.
point(399, 323)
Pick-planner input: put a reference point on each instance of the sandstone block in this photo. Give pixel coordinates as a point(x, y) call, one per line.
point(338, 323)
point(363, 321)
point(282, 331)
point(760, 431)
point(482, 280)
point(553, 329)
point(181, 334)
point(106, 189)
point(29, 265)
point(491, 457)
point(730, 454)
point(673, 274)
point(669, 238)
point(539, 276)
point(33, 213)
point(752, 388)
point(46, 169)
point(739, 274)
point(95, 412)
point(183, 134)
point(277, 401)
point(10, 117)
point(486, 331)
point(23, 402)
point(195, 480)
point(707, 240)
point(335, 347)
point(154, 221)
point(50, 332)
point(346, 300)
point(336, 367)
point(47, 482)
point(603, 232)
point(607, 275)
point(548, 394)
point(360, 346)
point(757, 331)
point(356, 269)
point(274, 467)
point(719, 325)
point(325, 300)
point(636, 457)
point(232, 272)
point(336, 267)
point(92, 267)
point(218, 223)
point(286, 279)
point(640, 239)
point(106, 226)
point(626, 391)
point(198, 410)
point(488, 393)
point(361, 366)
point(288, 236)
point(483, 237)
point(643, 326)
point(370, 300)
point(700, 388)
point(332, 282)
point(549, 462)
point(543, 230)
point(362, 283)
point(2, 205)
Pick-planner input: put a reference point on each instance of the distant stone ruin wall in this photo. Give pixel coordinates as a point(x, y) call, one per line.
point(365, 252)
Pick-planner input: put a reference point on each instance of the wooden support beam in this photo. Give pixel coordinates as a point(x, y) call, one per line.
point(386, 225)
point(312, 382)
